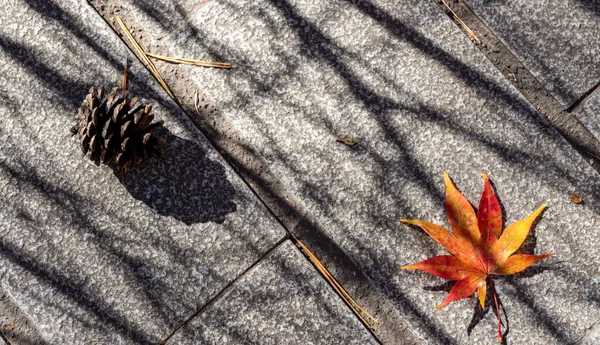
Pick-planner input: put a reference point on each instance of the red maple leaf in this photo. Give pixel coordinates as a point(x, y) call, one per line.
point(477, 243)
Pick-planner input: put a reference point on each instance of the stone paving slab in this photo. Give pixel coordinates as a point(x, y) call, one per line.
point(557, 40)
point(420, 99)
point(282, 300)
point(92, 256)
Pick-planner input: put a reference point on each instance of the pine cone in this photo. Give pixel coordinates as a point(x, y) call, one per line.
point(116, 128)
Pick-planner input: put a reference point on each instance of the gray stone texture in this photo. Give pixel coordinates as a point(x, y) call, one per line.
point(420, 99)
point(92, 256)
point(15, 326)
point(588, 112)
point(557, 40)
point(282, 300)
point(592, 337)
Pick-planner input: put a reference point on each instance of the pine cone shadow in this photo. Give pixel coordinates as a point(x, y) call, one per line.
point(182, 183)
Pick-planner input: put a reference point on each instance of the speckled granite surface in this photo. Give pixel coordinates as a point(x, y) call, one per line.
point(15, 326)
point(588, 112)
point(89, 255)
point(592, 338)
point(420, 99)
point(282, 300)
point(557, 40)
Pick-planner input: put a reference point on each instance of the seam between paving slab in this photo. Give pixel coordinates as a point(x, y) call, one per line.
point(228, 286)
point(591, 94)
point(561, 118)
point(270, 191)
point(562, 85)
point(490, 32)
point(588, 337)
point(249, 271)
point(588, 94)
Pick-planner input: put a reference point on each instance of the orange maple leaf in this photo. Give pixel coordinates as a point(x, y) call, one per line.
point(477, 243)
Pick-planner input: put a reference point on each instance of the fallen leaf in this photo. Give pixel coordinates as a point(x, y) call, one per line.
point(347, 141)
point(576, 198)
point(478, 246)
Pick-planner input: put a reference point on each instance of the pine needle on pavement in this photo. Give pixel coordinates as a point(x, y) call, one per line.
point(144, 58)
point(190, 61)
point(356, 308)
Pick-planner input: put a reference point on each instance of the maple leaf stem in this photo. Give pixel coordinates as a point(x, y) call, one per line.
point(497, 309)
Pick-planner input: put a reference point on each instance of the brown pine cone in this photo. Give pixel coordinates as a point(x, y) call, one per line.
point(115, 128)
